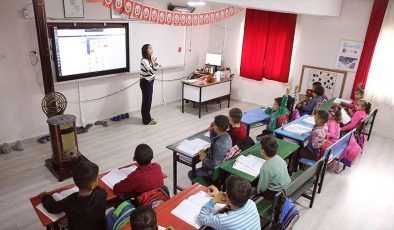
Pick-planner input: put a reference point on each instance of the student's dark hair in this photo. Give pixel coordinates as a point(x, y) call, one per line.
point(269, 145)
point(335, 110)
point(322, 115)
point(143, 154)
point(316, 83)
point(235, 114)
point(144, 51)
point(278, 100)
point(238, 190)
point(319, 90)
point(143, 218)
point(84, 174)
point(367, 106)
point(221, 122)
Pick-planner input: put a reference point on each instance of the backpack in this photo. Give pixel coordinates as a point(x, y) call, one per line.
point(119, 217)
point(154, 197)
point(288, 216)
point(234, 151)
point(245, 143)
point(282, 120)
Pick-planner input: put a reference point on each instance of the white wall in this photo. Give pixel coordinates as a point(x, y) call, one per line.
point(316, 43)
point(21, 90)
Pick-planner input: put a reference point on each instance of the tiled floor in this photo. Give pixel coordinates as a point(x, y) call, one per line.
point(358, 198)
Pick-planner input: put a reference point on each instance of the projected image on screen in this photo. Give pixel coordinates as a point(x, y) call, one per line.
point(90, 52)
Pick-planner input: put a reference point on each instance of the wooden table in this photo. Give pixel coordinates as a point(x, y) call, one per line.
point(164, 216)
point(49, 224)
point(203, 93)
point(285, 151)
point(184, 158)
point(255, 116)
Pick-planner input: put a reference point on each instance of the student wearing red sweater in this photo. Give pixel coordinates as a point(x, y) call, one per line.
point(146, 177)
point(237, 130)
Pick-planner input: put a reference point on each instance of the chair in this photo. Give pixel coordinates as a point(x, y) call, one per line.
point(332, 152)
point(301, 181)
point(369, 120)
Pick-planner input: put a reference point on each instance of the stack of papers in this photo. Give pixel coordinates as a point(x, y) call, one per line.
point(189, 209)
point(192, 147)
point(339, 100)
point(250, 164)
point(309, 120)
point(57, 196)
point(297, 129)
point(116, 175)
point(63, 194)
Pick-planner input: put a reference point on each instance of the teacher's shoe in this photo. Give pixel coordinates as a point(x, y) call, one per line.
point(152, 122)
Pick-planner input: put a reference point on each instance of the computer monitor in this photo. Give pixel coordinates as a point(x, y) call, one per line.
point(213, 59)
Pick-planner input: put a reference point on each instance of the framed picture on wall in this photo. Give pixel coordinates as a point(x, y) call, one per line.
point(73, 8)
point(116, 15)
point(332, 80)
point(349, 55)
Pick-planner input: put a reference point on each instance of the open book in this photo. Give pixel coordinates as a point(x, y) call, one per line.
point(192, 147)
point(339, 100)
point(57, 196)
point(250, 164)
point(297, 129)
point(116, 175)
point(309, 120)
point(189, 209)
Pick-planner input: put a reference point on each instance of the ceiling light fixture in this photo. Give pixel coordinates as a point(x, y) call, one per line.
point(196, 3)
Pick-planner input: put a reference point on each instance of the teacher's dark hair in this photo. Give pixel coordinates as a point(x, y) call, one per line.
point(144, 51)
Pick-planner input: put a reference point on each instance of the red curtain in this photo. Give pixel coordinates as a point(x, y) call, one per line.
point(267, 45)
point(371, 37)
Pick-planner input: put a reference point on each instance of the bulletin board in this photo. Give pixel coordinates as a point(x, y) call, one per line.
point(333, 81)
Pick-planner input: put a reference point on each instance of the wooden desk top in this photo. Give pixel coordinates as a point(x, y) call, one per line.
point(163, 212)
point(207, 84)
point(110, 197)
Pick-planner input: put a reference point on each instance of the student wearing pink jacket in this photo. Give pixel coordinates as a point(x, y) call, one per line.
point(362, 110)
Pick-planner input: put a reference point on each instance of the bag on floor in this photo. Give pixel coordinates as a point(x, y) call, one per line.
point(288, 216)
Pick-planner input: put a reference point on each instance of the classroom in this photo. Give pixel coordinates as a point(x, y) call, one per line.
point(79, 85)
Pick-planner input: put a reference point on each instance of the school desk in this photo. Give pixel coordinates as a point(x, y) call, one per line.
point(285, 151)
point(205, 92)
point(327, 105)
point(184, 158)
point(46, 222)
point(253, 117)
point(281, 132)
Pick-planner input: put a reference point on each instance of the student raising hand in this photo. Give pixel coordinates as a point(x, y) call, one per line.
point(212, 190)
point(288, 90)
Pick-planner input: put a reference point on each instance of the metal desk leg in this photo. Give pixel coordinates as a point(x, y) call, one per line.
point(174, 165)
point(199, 105)
point(194, 167)
point(183, 105)
point(228, 105)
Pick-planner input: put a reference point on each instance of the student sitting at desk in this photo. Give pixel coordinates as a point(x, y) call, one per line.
point(146, 177)
point(85, 209)
point(220, 145)
point(279, 108)
point(242, 212)
point(309, 106)
point(358, 95)
point(362, 108)
point(273, 174)
point(237, 130)
point(317, 139)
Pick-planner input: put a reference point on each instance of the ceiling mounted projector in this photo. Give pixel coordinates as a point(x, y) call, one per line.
point(181, 9)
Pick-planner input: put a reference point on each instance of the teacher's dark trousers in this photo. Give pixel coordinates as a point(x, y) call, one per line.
point(147, 92)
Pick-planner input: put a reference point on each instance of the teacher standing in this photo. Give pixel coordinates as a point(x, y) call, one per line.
point(147, 78)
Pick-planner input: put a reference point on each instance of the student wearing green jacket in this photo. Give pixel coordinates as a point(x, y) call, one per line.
point(273, 174)
point(278, 109)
